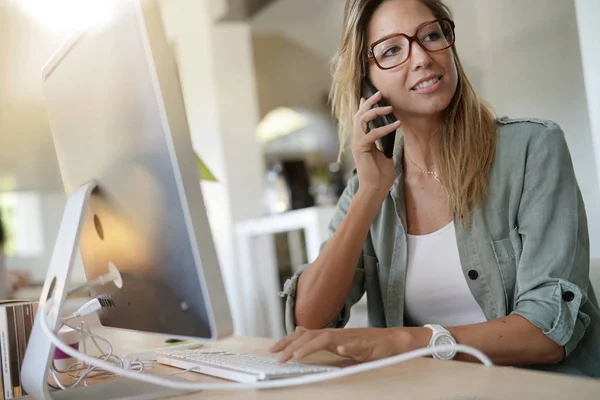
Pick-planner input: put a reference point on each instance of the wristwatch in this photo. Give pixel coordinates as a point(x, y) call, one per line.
point(441, 337)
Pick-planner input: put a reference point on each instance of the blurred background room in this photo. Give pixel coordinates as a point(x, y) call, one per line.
point(255, 78)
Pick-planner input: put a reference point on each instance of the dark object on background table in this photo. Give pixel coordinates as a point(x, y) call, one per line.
point(296, 177)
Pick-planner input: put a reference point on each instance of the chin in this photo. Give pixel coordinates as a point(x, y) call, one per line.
point(434, 107)
point(425, 111)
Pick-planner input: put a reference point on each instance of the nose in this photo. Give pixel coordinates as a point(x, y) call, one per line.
point(420, 58)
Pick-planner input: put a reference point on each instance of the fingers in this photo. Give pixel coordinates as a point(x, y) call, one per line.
point(283, 343)
point(321, 342)
point(378, 133)
point(373, 113)
point(367, 113)
point(304, 342)
point(366, 142)
point(288, 353)
point(361, 121)
point(367, 104)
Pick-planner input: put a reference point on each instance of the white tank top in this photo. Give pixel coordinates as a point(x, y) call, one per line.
point(436, 288)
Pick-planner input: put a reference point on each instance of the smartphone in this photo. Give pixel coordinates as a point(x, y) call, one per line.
point(387, 142)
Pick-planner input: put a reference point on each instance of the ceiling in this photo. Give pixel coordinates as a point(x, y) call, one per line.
point(241, 10)
point(315, 24)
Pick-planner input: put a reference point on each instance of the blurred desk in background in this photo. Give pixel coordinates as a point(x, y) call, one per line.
point(261, 308)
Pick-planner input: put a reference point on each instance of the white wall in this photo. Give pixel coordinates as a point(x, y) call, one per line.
point(588, 12)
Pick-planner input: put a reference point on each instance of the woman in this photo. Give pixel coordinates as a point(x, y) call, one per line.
point(476, 225)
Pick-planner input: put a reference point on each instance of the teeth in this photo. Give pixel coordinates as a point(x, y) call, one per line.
point(428, 83)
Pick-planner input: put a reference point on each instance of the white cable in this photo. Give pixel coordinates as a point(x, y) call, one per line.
point(288, 382)
point(81, 372)
point(90, 307)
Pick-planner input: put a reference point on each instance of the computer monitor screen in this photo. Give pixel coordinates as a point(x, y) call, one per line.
point(117, 116)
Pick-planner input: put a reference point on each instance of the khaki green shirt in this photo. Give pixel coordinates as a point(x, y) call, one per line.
point(525, 250)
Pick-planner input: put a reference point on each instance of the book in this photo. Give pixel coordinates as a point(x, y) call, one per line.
point(13, 357)
point(21, 340)
point(6, 377)
point(16, 322)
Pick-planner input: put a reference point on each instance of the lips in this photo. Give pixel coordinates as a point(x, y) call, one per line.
point(425, 83)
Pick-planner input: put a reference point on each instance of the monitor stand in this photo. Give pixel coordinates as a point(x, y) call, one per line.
point(40, 351)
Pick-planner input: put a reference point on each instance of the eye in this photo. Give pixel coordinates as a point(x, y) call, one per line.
point(391, 51)
point(432, 36)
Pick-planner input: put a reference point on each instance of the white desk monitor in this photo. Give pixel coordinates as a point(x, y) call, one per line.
point(119, 125)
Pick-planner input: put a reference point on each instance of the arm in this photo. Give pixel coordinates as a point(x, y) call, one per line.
point(335, 281)
point(322, 289)
point(347, 277)
point(511, 340)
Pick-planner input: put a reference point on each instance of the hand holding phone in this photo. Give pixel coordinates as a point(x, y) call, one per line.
point(387, 142)
point(375, 168)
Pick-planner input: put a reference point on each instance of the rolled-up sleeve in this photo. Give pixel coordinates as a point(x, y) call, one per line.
point(553, 268)
point(357, 287)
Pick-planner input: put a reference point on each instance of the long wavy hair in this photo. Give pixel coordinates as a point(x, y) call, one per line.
point(465, 143)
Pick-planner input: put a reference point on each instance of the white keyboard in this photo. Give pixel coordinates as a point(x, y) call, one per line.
point(243, 368)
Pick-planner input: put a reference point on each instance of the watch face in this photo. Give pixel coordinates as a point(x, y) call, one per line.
point(443, 340)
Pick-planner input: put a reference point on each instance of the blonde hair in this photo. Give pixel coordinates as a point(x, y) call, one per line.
point(465, 143)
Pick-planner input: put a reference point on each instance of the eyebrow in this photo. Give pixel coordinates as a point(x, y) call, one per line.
point(395, 34)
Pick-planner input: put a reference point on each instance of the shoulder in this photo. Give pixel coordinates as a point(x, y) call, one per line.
point(523, 135)
point(528, 143)
point(520, 131)
point(526, 128)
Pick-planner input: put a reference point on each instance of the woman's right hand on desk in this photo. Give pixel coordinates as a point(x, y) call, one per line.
point(375, 171)
point(360, 344)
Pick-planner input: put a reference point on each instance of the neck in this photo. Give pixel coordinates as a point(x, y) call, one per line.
point(419, 135)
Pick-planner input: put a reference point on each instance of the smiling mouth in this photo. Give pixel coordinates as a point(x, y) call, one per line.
point(426, 84)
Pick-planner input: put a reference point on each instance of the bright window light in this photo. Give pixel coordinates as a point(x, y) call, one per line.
point(280, 122)
point(22, 219)
point(65, 16)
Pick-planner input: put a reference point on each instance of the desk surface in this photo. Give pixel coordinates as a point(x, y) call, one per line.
point(418, 379)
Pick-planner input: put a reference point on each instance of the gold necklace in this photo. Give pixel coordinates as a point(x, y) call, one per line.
point(430, 173)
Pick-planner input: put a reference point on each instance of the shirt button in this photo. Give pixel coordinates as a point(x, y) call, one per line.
point(568, 296)
point(473, 274)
